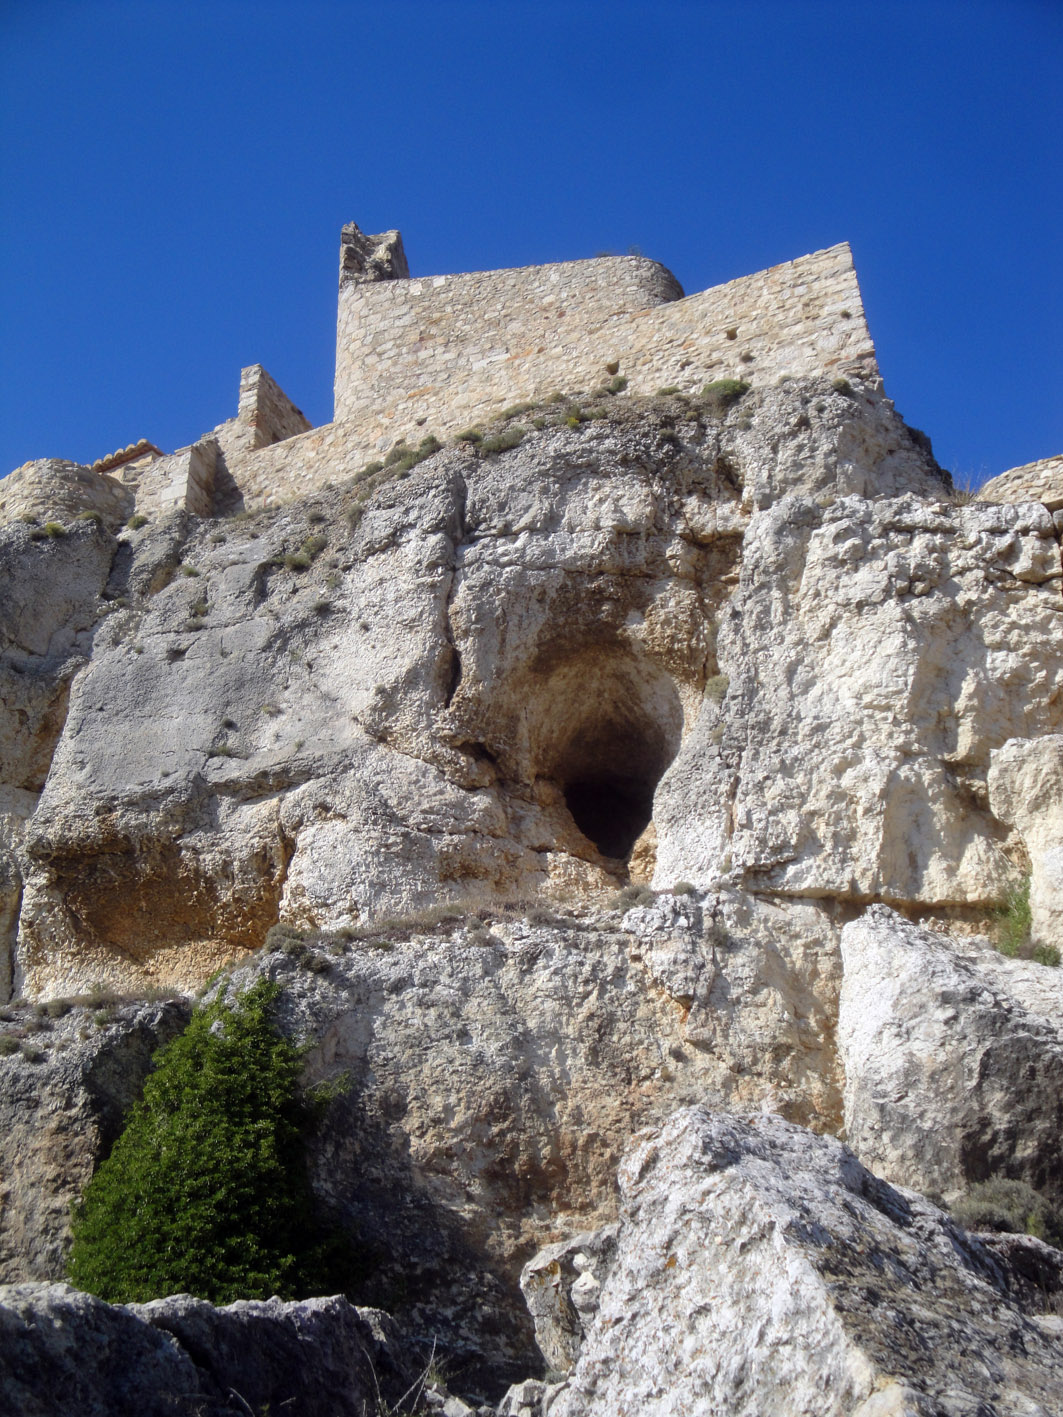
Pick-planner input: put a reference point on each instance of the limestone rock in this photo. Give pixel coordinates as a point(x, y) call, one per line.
point(1026, 791)
point(760, 1268)
point(62, 1351)
point(436, 700)
point(873, 656)
point(53, 490)
point(562, 1289)
point(953, 1058)
point(496, 1074)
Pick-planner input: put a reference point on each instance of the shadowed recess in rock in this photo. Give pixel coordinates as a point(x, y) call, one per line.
point(611, 810)
point(616, 725)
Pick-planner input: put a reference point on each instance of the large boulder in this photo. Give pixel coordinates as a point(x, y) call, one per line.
point(872, 657)
point(63, 1352)
point(953, 1058)
point(760, 1269)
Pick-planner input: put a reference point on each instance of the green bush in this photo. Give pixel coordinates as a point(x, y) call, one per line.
point(54, 529)
point(719, 397)
point(1010, 1206)
point(1048, 954)
point(402, 459)
point(501, 441)
point(136, 521)
point(631, 895)
point(206, 1191)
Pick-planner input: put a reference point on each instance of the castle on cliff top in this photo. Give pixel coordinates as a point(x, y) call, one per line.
point(418, 355)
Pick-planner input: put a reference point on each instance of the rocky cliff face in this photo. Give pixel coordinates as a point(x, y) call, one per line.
point(749, 652)
point(496, 675)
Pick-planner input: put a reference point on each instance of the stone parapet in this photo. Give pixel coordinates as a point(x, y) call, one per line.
point(51, 489)
point(1040, 481)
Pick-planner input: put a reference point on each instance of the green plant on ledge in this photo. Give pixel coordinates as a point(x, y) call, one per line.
point(719, 396)
point(1003, 1204)
point(1014, 919)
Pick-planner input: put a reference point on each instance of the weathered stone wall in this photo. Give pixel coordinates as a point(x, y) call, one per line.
point(487, 335)
point(184, 479)
point(439, 353)
point(1040, 481)
point(51, 489)
point(264, 415)
point(202, 478)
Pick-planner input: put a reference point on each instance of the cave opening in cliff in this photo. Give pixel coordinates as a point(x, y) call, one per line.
point(609, 728)
point(611, 810)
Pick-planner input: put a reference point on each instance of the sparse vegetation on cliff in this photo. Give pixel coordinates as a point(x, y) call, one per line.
point(1010, 1206)
point(719, 396)
point(1014, 919)
point(205, 1191)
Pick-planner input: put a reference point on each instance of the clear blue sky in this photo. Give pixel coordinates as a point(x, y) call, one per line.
point(173, 178)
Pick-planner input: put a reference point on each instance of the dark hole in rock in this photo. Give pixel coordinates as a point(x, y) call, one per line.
point(611, 810)
point(604, 727)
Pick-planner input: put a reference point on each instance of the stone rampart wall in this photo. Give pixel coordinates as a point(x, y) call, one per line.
point(440, 353)
point(52, 489)
point(1040, 481)
point(264, 415)
point(484, 334)
point(182, 479)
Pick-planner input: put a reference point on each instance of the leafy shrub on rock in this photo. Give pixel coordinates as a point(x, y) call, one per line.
point(719, 396)
point(206, 1191)
point(1011, 1206)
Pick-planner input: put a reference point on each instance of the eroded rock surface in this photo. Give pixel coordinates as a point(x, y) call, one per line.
point(63, 1352)
point(497, 1073)
point(760, 1268)
point(747, 650)
point(876, 653)
point(501, 675)
point(953, 1058)
point(1026, 791)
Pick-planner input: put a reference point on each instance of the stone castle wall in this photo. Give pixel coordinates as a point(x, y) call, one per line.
point(1040, 481)
point(439, 353)
point(436, 354)
point(485, 336)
